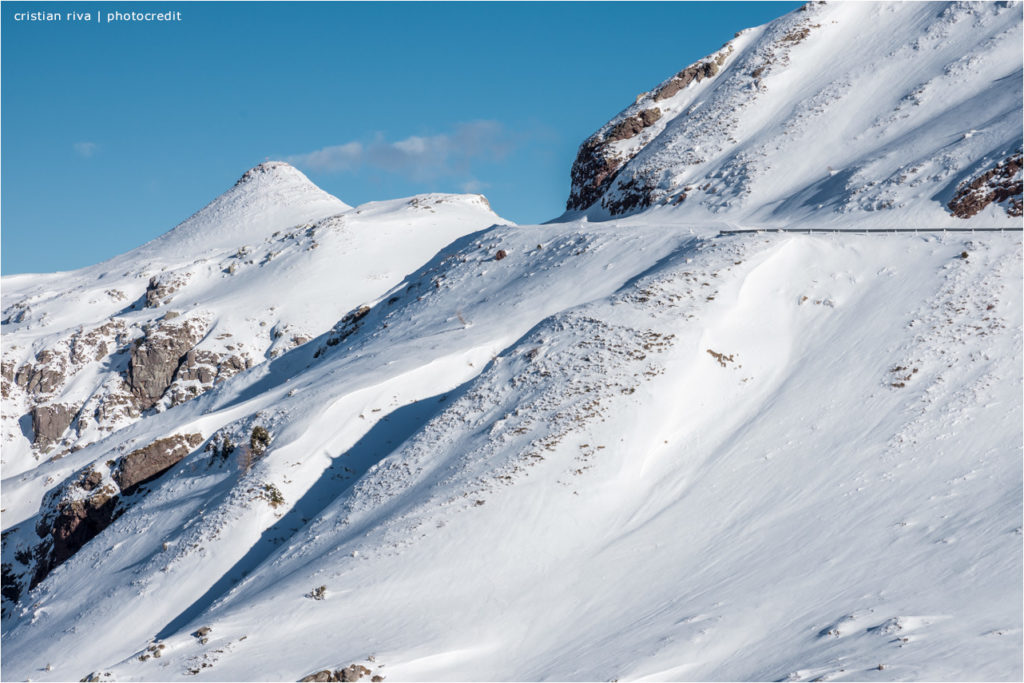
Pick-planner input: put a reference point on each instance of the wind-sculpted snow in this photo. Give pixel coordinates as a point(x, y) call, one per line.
point(499, 471)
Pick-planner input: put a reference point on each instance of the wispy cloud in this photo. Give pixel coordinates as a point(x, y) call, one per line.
point(85, 149)
point(473, 186)
point(417, 157)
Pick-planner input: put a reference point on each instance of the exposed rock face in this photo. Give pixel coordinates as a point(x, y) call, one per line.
point(97, 343)
point(54, 366)
point(147, 463)
point(49, 422)
point(156, 358)
point(85, 504)
point(598, 162)
point(691, 74)
point(628, 128)
point(1001, 184)
point(592, 173)
point(44, 376)
point(74, 514)
point(164, 364)
point(635, 195)
point(76, 523)
point(713, 151)
point(207, 368)
point(161, 288)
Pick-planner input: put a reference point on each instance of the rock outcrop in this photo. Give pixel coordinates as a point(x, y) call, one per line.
point(599, 160)
point(145, 464)
point(353, 672)
point(1002, 184)
point(84, 505)
point(858, 128)
point(162, 287)
point(44, 376)
point(155, 358)
point(49, 422)
point(76, 523)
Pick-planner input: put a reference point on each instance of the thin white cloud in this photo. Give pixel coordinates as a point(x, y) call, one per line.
point(346, 157)
point(417, 157)
point(85, 149)
point(473, 186)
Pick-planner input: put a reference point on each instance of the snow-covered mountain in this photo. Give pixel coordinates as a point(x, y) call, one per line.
point(271, 264)
point(413, 441)
point(876, 114)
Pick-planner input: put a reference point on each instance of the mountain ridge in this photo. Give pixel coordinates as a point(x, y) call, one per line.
point(706, 140)
point(410, 440)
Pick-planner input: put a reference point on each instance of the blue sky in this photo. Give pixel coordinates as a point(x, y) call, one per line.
point(114, 133)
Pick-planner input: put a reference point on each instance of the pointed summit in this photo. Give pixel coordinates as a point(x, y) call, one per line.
point(269, 197)
point(273, 171)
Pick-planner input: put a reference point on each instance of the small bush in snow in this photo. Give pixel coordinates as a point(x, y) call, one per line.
point(273, 495)
point(259, 440)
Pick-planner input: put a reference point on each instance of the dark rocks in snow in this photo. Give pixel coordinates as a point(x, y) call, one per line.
point(1001, 184)
point(353, 672)
point(206, 367)
point(44, 376)
point(356, 315)
point(501, 253)
point(628, 128)
point(691, 74)
point(74, 522)
point(147, 463)
point(91, 480)
point(161, 288)
point(345, 328)
point(95, 344)
point(10, 587)
point(592, 173)
point(597, 163)
point(798, 34)
point(635, 193)
point(117, 405)
point(259, 439)
point(77, 511)
point(267, 168)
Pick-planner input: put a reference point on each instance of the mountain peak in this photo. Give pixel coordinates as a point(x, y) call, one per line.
point(268, 197)
point(272, 170)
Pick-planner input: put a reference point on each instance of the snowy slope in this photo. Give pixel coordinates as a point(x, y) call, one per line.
point(508, 496)
point(409, 440)
point(866, 114)
point(269, 265)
